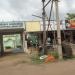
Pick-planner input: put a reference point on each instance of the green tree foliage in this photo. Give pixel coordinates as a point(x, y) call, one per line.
point(70, 16)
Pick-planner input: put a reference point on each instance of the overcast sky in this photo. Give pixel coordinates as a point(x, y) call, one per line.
point(23, 9)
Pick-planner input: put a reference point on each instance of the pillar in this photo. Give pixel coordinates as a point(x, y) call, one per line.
point(24, 42)
point(1, 45)
point(71, 37)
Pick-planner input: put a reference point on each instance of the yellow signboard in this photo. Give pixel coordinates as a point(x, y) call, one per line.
point(32, 26)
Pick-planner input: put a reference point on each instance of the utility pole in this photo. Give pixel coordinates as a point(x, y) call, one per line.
point(58, 30)
point(44, 27)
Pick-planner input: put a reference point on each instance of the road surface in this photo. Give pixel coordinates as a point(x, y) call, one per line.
point(11, 66)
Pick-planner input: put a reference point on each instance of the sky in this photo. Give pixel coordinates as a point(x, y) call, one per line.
point(11, 10)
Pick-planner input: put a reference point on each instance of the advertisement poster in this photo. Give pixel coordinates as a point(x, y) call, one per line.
point(70, 23)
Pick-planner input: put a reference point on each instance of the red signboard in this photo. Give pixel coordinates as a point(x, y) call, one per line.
point(70, 23)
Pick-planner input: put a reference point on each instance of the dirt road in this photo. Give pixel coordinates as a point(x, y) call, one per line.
point(12, 67)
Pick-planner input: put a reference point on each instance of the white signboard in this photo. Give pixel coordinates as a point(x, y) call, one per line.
point(11, 25)
point(53, 26)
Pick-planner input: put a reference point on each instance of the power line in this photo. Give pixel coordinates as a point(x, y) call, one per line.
point(50, 15)
point(37, 16)
point(47, 3)
point(49, 20)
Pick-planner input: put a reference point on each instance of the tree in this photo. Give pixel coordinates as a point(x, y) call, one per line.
point(70, 16)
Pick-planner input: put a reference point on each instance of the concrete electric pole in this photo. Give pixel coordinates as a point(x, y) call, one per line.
point(59, 46)
point(44, 27)
point(58, 30)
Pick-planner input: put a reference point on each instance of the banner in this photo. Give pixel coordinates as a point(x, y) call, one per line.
point(70, 23)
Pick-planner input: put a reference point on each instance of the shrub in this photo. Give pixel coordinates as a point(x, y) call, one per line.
point(36, 60)
point(8, 47)
point(18, 46)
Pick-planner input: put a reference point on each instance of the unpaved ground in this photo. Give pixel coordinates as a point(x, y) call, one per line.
point(17, 65)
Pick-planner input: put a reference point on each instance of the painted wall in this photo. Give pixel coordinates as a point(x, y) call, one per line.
point(12, 40)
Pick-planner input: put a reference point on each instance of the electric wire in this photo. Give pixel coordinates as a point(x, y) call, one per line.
point(49, 20)
point(47, 3)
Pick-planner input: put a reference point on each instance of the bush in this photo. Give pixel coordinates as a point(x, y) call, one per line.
point(8, 47)
point(36, 60)
point(18, 46)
